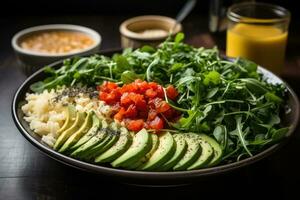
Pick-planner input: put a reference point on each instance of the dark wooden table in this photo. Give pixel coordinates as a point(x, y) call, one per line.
point(26, 173)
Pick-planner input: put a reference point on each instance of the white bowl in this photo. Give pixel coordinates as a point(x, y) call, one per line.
point(130, 28)
point(32, 60)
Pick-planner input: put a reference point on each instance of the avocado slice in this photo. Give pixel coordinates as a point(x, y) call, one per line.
point(117, 149)
point(162, 154)
point(67, 133)
point(206, 154)
point(155, 143)
point(113, 135)
point(217, 150)
point(89, 134)
point(96, 139)
point(141, 145)
point(88, 153)
point(71, 116)
point(87, 124)
point(181, 147)
point(191, 155)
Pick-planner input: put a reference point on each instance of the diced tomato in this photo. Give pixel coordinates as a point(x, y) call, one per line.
point(115, 108)
point(126, 100)
point(160, 91)
point(146, 126)
point(107, 97)
point(111, 98)
point(150, 93)
point(152, 114)
point(136, 97)
point(135, 125)
point(109, 93)
point(157, 123)
point(130, 88)
point(102, 96)
point(141, 105)
point(111, 85)
point(108, 86)
point(162, 107)
point(169, 114)
point(143, 114)
point(139, 101)
point(143, 87)
point(151, 103)
point(171, 92)
point(152, 85)
point(120, 115)
point(131, 112)
point(117, 94)
point(159, 105)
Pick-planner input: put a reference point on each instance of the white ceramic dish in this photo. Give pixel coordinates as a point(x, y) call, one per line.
point(32, 61)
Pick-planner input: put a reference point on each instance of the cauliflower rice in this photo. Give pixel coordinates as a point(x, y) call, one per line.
point(46, 114)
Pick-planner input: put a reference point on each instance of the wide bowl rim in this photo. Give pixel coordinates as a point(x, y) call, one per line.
point(70, 27)
point(145, 174)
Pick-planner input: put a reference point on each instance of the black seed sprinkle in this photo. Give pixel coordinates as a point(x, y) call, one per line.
point(75, 91)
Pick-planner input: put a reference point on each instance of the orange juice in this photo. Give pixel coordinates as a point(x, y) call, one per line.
point(262, 44)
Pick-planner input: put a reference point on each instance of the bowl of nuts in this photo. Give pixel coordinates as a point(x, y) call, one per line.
point(40, 45)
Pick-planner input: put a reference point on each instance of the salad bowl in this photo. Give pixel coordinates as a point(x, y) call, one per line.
point(142, 177)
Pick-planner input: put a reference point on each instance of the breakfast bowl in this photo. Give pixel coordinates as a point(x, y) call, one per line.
point(128, 162)
point(40, 45)
point(147, 30)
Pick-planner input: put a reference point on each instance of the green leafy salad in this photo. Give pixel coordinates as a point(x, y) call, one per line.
point(228, 103)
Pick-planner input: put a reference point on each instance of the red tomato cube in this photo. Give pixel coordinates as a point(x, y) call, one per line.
point(157, 123)
point(135, 125)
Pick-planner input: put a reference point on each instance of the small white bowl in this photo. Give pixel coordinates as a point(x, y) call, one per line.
point(32, 60)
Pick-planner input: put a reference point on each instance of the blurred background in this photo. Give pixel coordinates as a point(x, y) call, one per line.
point(32, 12)
point(117, 7)
point(106, 16)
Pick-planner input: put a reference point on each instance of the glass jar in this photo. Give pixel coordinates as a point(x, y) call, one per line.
point(258, 32)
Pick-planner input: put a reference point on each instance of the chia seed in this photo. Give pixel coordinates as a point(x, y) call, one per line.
point(75, 91)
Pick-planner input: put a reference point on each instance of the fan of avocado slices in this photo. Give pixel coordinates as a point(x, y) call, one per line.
point(97, 141)
point(229, 110)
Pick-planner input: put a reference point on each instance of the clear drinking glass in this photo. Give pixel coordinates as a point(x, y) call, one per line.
point(217, 14)
point(258, 32)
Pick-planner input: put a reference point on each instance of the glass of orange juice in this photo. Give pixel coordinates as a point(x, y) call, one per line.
point(258, 32)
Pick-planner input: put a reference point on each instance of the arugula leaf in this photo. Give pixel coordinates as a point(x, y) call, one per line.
point(179, 37)
point(279, 134)
point(148, 49)
point(241, 134)
point(121, 63)
point(130, 76)
point(221, 135)
point(247, 64)
point(37, 87)
point(273, 97)
point(212, 92)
